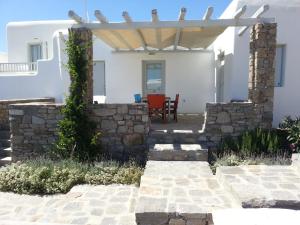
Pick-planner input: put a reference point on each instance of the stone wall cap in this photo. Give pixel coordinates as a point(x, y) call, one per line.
point(37, 104)
point(50, 99)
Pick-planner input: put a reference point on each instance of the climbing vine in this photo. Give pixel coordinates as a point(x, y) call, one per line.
point(77, 136)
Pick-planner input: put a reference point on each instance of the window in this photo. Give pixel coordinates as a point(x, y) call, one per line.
point(279, 65)
point(35, 52)
point(153, 77)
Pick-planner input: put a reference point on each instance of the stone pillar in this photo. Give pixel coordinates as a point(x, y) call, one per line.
point(85, 37)
point(262, 69)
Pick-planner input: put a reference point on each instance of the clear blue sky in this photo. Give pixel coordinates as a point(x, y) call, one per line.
point(28, 10)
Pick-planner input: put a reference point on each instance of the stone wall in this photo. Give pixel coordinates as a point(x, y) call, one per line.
point(4, 115)
point(224, 119)
point(262, 69)
point(33, 128)
point(124, 128)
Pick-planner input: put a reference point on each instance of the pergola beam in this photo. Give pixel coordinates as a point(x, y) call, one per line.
point(75, 17)
point(136, 30)
point(178, 31)
point(155, 19)
point(256, 15)
point(208, 13)
point(178, 24)
point(102, 19)
point(240, 12)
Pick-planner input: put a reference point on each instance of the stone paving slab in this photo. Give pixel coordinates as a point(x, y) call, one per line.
point(261, 186)
point(256, 217)
point(177, 152)
point(177, 192)
point(84, 204)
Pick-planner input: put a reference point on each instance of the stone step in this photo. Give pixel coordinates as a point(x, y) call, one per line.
point(177, 192)
point(4, 134)
point(17, 222)
point(4, 143)
point(261, 186)
point(177, 152)
point(5, 152)
point(5, 161)
point(176, 137)
point(256, 216)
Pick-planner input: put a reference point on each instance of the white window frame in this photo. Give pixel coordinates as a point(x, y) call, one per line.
point(144, 79)
point(29, 50)
point(279, 80)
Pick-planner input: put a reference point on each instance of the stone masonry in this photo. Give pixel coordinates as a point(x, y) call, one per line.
point(223, 119)
point(34, 128)
point(261, 69)
point(4, 115)
point(124, 128)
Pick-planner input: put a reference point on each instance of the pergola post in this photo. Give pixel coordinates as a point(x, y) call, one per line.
point(262, 69)
point(85, 38)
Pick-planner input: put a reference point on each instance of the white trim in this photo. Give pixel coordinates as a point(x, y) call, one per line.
point(256, 15)
point(162, 51)
point(240, 12)
point(129, 23)
point(176, 24)
point(178, 31)
point(102, 19)
point(208, 13)
point(155, 19)
point(75, 17)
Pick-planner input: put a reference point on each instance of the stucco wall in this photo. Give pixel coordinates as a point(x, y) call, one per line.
point(189, 74)
point(286, 12)
point(21, 34)
point(51, 79)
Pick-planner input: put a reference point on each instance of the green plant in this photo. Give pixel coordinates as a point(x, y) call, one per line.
point(253, 143)
point(236, 160)
point(78, 138)
point(49, 177)
point(292, 127)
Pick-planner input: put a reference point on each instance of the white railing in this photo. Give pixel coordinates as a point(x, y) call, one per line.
point(18, 67)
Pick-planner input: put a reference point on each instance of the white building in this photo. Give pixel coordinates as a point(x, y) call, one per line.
point(36, 61)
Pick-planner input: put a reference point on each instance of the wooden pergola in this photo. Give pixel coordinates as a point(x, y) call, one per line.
point(157, 35)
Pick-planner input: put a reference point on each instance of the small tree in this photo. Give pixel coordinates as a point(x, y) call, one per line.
point(77, 137)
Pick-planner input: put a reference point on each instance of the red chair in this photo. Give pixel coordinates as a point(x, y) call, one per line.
point(174, 106)
point(156, 105)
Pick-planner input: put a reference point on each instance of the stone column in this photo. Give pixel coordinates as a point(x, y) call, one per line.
point(85, 37)
point(262, 70)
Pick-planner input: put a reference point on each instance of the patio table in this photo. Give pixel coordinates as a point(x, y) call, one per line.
point(168, 100)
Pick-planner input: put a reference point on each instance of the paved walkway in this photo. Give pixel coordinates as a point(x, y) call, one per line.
point(256, 217)
point(263, 186)
point(171, 193)
point(84, 204)
point(180, 192)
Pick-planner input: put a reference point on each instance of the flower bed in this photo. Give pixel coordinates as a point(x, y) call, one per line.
point(49, 177)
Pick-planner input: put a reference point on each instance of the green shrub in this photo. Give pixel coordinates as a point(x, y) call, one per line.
point(235, 160)
point(77, 134)
point(49, 177)
point(254, 143)
point(292, 127)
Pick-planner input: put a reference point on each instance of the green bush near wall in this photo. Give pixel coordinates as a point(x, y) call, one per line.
point(77, 133)
point(292, 128)
point(256, 143)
